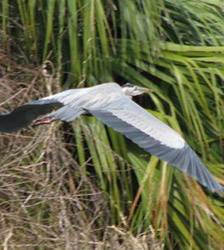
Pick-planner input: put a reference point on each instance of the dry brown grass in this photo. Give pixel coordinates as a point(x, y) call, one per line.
point(46, 202)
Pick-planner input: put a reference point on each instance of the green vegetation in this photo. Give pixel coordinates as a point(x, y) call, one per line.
point(84, 185)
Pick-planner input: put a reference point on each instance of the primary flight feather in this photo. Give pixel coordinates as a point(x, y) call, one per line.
point(112, 105)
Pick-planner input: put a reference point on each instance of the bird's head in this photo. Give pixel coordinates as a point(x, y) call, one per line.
point(130, 90)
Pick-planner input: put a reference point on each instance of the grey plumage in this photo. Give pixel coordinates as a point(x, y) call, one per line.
point(112, 105)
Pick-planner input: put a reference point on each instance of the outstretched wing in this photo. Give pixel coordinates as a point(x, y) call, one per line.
point(155, 137)
point(57, 106)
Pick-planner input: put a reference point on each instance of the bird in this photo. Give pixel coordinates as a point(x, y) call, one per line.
point(112, 104)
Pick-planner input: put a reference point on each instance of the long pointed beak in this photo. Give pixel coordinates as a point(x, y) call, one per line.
point(145, 90)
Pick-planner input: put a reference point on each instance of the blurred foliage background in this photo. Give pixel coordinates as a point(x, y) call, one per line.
point(82, 185)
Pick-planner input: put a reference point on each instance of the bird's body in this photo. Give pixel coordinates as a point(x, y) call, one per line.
point(112, 105)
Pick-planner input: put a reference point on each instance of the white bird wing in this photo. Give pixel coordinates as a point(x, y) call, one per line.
point(155, 137)
point(25, 114)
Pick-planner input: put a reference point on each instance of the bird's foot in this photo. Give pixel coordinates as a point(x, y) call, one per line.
point(44, 120)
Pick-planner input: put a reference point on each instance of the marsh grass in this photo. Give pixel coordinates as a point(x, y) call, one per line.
point(83, 185)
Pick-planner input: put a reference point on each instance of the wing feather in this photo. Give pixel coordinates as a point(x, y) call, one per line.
point(58, 106)
point(24, 115)
point(165, 143)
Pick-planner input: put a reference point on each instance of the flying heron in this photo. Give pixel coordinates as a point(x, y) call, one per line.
point(113, 105)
